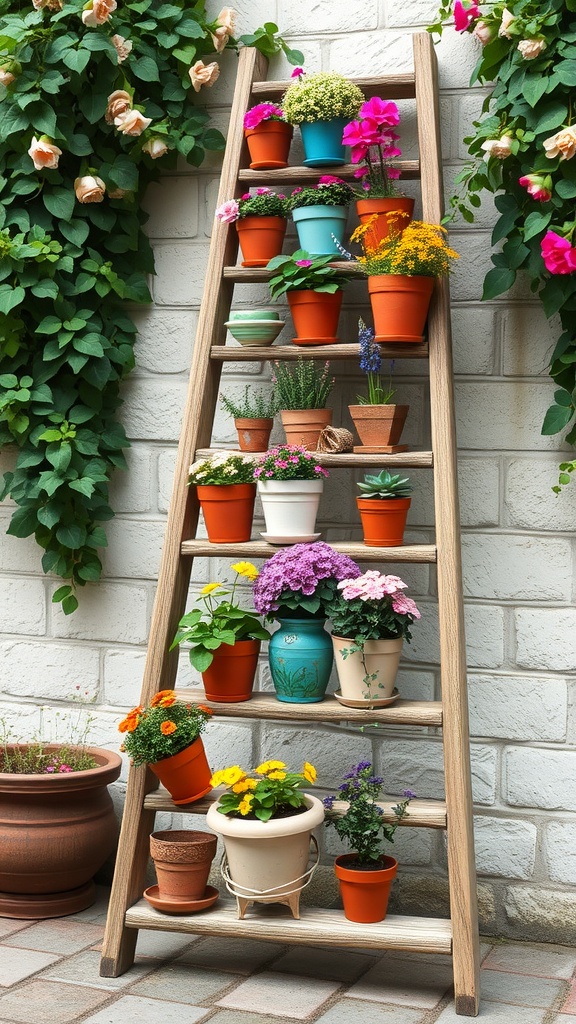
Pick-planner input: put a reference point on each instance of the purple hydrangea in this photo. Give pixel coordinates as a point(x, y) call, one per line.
point(298, 570)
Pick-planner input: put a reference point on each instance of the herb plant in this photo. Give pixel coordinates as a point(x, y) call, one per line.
point(255, 405)
point(275, 792)
point(163, 729)
point(303, 272)
point(321, 97)
point(301, 385)
point(362, 826)
point(302, 578)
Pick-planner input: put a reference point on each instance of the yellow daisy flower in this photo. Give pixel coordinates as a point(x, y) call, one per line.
point(268, 766)
point(246, 569)
point(244, 785)
point(233, 775)
point(210, 588)
point(309, 772)
point(245, 805)
point(277, 776)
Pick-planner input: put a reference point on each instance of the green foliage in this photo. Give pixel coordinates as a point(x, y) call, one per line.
point(163, 729)
point(385, 485)
point(321, 97)
point(255, 405)
point(302, 272)
point(303, 385)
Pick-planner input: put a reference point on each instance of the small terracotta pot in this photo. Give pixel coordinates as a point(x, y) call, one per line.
point(365, 894)
point(383, 520)
point(261, 238)
point(383, 208)
point(182, 860)
point(253, 434)
point(228, 511)
point(315, 316)
point(269, 145)
point(379, 425)
point(304, 426)
point(230, 677)
point(399, 306)
point(186, 775)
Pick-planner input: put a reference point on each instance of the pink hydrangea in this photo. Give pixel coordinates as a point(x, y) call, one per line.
point(558, 254)
point(405, 606)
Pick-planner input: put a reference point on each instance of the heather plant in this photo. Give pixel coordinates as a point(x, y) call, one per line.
point(164, 728)
point(301, 579)
point(321, 97)
point(302, 385)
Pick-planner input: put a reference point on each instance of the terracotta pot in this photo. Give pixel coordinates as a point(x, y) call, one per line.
point(304, 426)
point(269, 144)
point(261, 238)
point(380, 665)
point(186, 775)
point(290, 508)
point(379, 425)
point(253, 434)
point(56, 831)
point(315, 316)
point(383, 521)
point(399, 306)
point(228, 511)
point(383, 208)
point(365, 894)
point(182, 861)
point(230, 677)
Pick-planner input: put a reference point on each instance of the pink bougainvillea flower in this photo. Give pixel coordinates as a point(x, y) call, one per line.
point(539, 186)
point(89, 189)
point(465, 12)
point(297, 72)
point(228, 212)
point(558, 254)
point(44, 154)
point(203, 74)
point(383, 112)
point(261, 112)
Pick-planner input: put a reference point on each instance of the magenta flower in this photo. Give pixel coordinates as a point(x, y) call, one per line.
point(539, 186)
point(297, 72)
point(330, 179)
point(303, 263)
point(360, 133)
point(228, 212)
point(558, 254)
point(262, 112)
point(383, 112)
point(464, 14)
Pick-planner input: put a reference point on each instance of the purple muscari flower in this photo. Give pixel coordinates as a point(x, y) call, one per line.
point(328, 802)
point(408, 794)
point(343, 787)
point(378, 810)
point(370, 357)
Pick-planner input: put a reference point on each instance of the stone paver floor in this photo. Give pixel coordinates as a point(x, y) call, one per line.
point(49, 975)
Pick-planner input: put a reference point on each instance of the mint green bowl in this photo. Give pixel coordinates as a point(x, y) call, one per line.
point(255, 332)
point(254, 314)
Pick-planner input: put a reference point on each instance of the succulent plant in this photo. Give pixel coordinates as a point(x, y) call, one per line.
point(385, 485)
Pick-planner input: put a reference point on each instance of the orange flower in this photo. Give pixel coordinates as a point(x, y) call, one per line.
point(167, 728)
point(130, 723)
point(161, 696)
point(205, 709)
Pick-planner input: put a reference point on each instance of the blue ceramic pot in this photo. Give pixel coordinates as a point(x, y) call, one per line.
point(300, 655)
point(322, 142)
point(316, 225)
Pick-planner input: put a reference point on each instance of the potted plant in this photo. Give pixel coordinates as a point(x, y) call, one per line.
point(365, 875)
point(371, 618)
point(57, 823)
point(260, 219)
point(293, 588)
point(226, 492)
point(401, 270)
point(383, 504)
point(314, 292)
point(253, 418)
point(166, 736)
point(320, 213)
point(378, 421)
point(322, 104)
point(225, 639)
point(290, 483)
point(182, 860)
point(374, 144)
point(301, 391)
point(268, 136)
point(266, 822)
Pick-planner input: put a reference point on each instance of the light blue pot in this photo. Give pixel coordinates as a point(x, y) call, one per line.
point(322, 142)
point(316, 225)
point(300, 655)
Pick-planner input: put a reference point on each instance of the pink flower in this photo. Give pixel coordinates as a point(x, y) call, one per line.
point(465, 15)
point(64, 768)
point(228, 212)
point(558, 254)
point(383, 112)
point(360, 134)
point(303, 263)
point(330, 179)
point(485, 33)
point(123, 47)
point(297, 72)
point(403, 605)
point(261, 112)
point(263, 191)
point(44, 154)
point(132, 122)
point(539, 186)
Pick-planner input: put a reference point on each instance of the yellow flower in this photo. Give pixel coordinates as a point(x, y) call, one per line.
point(246, 569)
point(244, 805)
point(277, 776)
point(268, 766)
point(233, 775)
point(309, 772)
point(210, 588)
point(244, 785)
point(217, 779)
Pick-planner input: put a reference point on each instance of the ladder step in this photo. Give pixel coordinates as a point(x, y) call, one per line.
point(347, 459)
point(315, 927)
point(426, 713)
point(388, 87)
point(258, 353)
point(409, 171)
point(254, 275)
point(355, 549)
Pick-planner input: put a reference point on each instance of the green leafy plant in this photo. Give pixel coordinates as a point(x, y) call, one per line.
point(219, 623)
point(384, 485)
point(163, 729)
point(275, 793)
point(222, 468)
point(303, 385)
point(362, 824)
point(321, 97)
point(303, 272)
point(255, 405)
point(329, 191)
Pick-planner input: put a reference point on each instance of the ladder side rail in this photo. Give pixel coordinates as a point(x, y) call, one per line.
point(460, 834)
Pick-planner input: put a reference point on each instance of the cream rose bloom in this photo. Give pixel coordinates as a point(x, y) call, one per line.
point(531, 48)
point(220, 38)
point(203, 74)
point(123, 47)
point(119, 102)
point(89, 189)
point(44, 154)
point(6, 77)
point(483, 32)
point(98, 12)
point(132, 122)
point(227, 20)
point(562, 144)
point(155, 148)
point(498, 148)
point(507, 19)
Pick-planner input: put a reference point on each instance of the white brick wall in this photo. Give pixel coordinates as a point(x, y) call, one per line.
point(518, 541)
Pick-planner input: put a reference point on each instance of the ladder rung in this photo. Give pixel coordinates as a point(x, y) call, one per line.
point(409, 171)
point(259, 353)
point(251, 275)
point(426, 713)
point(347, 459)
point(390, 87)
point(355, 549)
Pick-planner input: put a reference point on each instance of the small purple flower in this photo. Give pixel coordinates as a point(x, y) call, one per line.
point(303, 263)
point(361, 766)
point(328, 802)
point(408, 794)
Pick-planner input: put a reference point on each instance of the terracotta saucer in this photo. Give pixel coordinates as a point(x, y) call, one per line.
point(381, 702)
point(173, 905)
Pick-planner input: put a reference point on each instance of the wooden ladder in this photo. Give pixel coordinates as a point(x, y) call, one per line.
point(128, 912)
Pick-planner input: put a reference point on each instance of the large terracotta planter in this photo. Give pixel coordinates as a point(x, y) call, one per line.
point(379, 425)
point(304, 426)
point(383, 521)
point(269, 144)
point(261, 238)
point(267, 861)
point(186, 775)
point(290, 509)
point(182, 860)
point(399, 306)
point(365, 894)
point(386, 222)
point(230, 677)
point(315, 316)
point(228, 511)
point(379, 663)
point(253, 434)
point(56, 831)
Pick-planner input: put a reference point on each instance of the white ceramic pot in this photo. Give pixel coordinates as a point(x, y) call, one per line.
point(290, 508)
point(381, 659)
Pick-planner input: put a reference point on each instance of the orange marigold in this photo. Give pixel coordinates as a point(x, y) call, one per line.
point(160, 698)
point(205, 709)
point(168, 727)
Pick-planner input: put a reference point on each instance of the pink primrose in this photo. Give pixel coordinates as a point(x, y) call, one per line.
point(558, 254)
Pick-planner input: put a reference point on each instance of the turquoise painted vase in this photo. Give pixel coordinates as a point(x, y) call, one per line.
point(300, 655)
point(322, 142)
point(316, 225)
